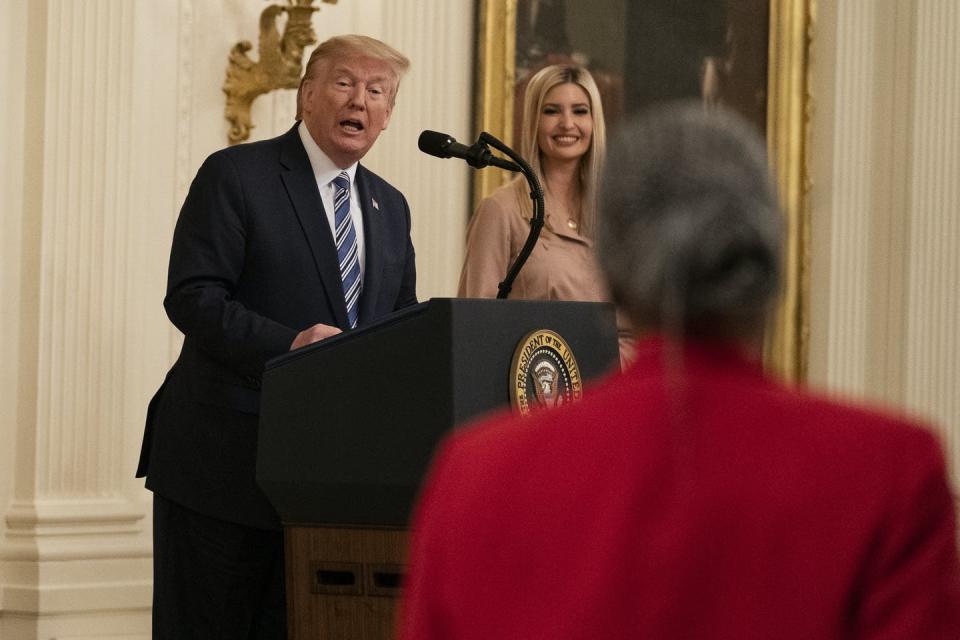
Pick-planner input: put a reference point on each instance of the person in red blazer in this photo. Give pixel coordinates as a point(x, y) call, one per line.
point(691, 496)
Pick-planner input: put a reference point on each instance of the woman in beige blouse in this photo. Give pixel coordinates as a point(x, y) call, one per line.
point(564, 141)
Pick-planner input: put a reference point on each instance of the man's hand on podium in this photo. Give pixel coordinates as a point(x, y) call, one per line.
point(316, 333)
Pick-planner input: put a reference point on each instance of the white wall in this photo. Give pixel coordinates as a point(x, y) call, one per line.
point(885, 203)
point(109, 107)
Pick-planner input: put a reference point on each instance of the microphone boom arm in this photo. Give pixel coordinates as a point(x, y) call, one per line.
point(536, 223)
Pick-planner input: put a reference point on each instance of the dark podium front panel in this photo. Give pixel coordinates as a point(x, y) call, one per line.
point(348, 425)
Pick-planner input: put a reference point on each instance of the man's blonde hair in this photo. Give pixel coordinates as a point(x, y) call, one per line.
point(354, 46)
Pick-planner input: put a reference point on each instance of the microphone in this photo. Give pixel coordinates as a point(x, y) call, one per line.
point(477, 155)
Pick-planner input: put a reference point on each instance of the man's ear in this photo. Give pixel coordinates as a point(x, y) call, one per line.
point(305, 94)
point(300, 100)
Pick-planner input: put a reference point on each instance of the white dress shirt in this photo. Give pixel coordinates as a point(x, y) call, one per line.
point(324, 171)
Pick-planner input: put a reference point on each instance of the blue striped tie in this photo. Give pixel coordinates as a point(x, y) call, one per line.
point(347, 252)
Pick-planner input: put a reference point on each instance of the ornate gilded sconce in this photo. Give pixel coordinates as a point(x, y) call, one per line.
point(279, 67)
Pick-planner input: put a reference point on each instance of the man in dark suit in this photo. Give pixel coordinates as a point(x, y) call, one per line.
point(279, 244)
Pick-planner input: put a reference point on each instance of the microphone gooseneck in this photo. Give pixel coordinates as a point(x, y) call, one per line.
point(536, 223)
point(478, 156)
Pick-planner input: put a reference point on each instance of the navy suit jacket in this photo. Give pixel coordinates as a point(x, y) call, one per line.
point(253, 263)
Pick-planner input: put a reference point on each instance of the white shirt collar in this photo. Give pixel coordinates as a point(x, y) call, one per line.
point(324, 169)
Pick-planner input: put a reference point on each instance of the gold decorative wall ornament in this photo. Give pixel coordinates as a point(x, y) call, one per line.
point(279, 67)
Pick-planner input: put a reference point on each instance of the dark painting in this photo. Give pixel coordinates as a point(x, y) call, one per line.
point(646, 51)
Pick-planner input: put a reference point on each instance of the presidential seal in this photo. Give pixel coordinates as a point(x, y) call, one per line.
point(544, 373)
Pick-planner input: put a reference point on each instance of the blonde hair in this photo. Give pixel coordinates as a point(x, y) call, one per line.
point(591, 164)
point(354, 46)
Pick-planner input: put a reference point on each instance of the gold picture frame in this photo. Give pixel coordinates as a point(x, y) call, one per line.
point(787, 129)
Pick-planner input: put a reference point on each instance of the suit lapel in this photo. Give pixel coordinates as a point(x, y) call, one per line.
point(301, 186)
point(370, 205)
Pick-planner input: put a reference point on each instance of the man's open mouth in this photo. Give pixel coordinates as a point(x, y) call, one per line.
point(352, 125)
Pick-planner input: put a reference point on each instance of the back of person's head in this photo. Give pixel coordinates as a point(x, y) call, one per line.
point(690, 230)
point(355, 46)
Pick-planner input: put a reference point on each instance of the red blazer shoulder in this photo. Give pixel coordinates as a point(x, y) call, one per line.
point(712, 504)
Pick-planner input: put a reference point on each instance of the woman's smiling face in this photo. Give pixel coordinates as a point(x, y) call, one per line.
point(566, 123)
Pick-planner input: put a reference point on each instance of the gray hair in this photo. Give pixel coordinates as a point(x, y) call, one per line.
point(690, 230)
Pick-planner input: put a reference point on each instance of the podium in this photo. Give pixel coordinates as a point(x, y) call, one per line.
point(348, 427)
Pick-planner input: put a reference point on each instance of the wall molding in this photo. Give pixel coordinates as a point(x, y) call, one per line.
point(73, 538)
point(887, 150)
point(129, 595)
point(933, 267)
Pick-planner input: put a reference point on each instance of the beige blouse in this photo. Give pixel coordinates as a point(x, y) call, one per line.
point(562, 266)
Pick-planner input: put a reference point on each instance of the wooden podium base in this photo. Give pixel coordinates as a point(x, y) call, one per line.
point(342, 584)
